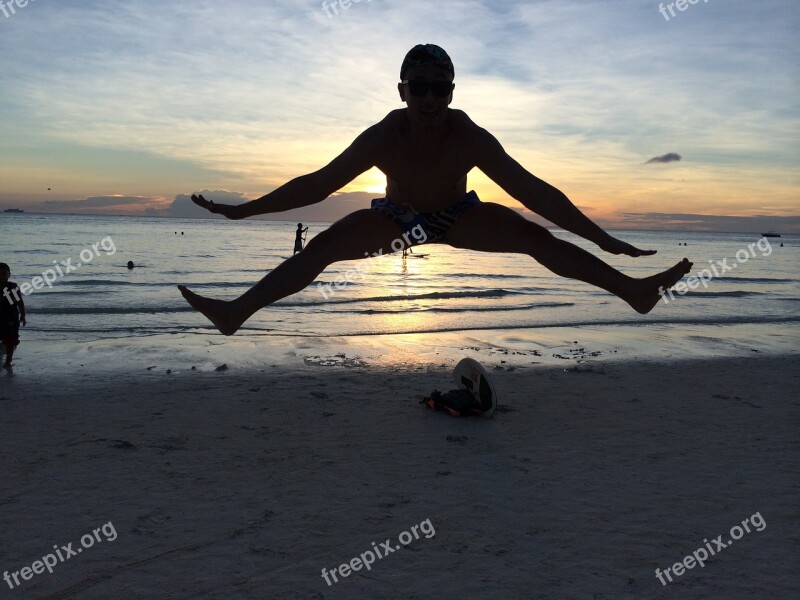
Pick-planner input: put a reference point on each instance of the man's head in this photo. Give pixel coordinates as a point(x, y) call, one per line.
point(426, 84)
point(427, 54)
point(5, 272)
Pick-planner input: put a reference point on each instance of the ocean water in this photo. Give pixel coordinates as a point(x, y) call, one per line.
point(449, 290)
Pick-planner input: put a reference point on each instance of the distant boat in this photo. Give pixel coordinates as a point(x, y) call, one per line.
point(14, 210)
point(771, 234)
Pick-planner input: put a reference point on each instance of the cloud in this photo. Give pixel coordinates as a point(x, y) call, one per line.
point(692, 222)
point(98, 202)
point(665, 158)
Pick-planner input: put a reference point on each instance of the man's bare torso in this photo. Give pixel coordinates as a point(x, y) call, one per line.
point(427, 172)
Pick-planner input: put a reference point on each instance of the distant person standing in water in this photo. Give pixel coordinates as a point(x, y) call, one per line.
point(299, 238)
point(12, 311)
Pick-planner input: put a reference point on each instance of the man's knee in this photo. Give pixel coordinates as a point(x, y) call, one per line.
point(537, 232)
point(518, 227)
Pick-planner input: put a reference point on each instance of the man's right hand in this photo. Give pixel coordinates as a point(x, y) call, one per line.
point(226, 210)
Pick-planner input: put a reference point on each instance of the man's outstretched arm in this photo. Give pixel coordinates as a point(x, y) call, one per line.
point(306, 189)
point(544, 199)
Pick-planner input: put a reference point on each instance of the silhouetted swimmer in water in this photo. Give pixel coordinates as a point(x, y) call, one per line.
point(130, 264)
point(426, 150)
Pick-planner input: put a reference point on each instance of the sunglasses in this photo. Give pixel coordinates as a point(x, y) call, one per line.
point(419, 88)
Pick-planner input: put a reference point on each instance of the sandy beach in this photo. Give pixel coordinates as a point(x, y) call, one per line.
point(247, 482)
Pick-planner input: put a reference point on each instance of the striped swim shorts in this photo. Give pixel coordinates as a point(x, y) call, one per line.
point(425, 227)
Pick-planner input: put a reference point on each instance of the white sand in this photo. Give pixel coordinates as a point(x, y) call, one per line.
point(245, 483)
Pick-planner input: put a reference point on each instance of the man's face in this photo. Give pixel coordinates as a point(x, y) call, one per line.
point(5, 274)
point(428, 110)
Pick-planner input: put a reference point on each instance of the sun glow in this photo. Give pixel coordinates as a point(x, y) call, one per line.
point(373, 181)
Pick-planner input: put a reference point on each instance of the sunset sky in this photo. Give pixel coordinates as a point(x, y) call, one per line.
point(128, 107)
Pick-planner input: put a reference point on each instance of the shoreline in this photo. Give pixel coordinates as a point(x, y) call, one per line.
point(496, 349)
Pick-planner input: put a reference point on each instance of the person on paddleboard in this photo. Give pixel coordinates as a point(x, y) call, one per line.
point(298, 238)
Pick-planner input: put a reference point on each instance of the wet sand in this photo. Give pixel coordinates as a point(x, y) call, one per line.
point(246, 481)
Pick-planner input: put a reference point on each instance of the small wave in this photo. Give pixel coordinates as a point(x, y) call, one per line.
point(736, 294)
point(406, 298)
point(149, 330)
point(472, 309)
point(110, 310)
point(90, 282)
point(123, 282)
point(633, 322)
point(133, 310)
point(487, 276)
point(757, 279)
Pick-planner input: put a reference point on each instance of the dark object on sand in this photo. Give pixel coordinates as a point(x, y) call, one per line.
point(475, 394)
point(459, 403)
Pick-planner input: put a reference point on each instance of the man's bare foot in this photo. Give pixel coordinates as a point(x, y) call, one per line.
point(8, 365)
point(216, 311)
point(648, 290)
